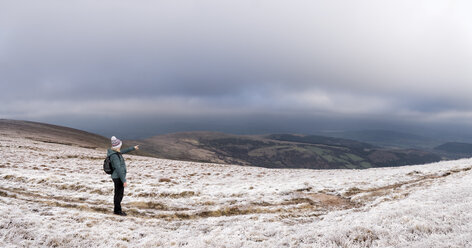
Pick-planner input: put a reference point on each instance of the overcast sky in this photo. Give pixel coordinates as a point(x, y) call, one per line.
point(140, 68)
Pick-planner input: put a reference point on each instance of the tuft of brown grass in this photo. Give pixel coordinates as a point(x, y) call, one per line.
point(179, 195)
point(169, 195)
point(304, 189)
point(228, 211)
point(99, 192)
point(7, 177)
point(300, 200)
point(164, 180)
point(263, 204)
point(353, 191)
point(149, 205)
point(100, 209)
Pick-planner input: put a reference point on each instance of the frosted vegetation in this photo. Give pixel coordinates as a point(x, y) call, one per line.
point(54, 195)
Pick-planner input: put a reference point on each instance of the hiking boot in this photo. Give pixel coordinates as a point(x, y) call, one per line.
point(120, 213)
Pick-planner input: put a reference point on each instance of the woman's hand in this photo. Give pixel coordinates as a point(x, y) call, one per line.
point(136, 147)
point(125, 184)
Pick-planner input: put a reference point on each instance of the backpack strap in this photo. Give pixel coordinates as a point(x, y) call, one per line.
point(117, 153)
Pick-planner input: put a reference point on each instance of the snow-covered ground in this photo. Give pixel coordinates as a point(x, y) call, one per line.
point(54, 195)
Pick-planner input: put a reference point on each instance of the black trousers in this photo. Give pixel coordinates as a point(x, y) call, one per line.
point(119, 190)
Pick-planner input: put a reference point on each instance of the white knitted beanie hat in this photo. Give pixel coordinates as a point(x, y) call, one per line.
point(115, 143)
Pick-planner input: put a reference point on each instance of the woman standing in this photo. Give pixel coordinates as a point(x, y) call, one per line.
point(119, 171)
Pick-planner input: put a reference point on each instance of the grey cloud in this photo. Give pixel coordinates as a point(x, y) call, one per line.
point(372, 59)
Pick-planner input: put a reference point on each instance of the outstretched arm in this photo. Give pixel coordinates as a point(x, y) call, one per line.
point(129, 149)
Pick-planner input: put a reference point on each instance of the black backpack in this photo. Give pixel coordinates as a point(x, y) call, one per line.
point(107, 167)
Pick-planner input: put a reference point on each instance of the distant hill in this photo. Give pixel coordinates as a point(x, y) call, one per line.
point(315, 139)
point(456, 147)
point(388, 139)
point(52, 134)
point(271, 151)
point(280, 151)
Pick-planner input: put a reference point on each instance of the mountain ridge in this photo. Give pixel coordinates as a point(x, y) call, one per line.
point(270, 150)
point(50, 133)
point(387, 138)
point(280, 151)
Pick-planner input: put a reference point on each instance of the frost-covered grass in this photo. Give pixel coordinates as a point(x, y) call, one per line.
point(54, 195)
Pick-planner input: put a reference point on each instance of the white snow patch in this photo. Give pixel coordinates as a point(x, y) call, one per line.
point(54, 195)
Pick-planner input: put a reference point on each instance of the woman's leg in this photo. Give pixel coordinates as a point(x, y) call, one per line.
point(119, 190)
